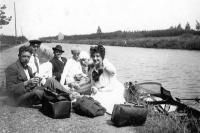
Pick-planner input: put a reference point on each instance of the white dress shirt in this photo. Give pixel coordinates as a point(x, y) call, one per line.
point(27, 74)
point(32, 63)
point(71, 68)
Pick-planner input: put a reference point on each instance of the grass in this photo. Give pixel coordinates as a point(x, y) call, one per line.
point(10, 41)
point(157, 123)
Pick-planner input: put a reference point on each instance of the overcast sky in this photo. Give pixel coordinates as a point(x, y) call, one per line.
point(38, 18)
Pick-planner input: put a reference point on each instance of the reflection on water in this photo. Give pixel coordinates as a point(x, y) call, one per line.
point(177, 70)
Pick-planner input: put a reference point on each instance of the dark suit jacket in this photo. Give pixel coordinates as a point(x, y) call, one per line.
point(58, 67)
point(15, 78)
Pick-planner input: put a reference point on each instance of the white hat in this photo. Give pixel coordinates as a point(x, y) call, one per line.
point(75, 48)
point(84, 55)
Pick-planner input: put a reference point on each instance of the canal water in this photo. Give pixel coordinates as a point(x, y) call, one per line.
point(177, 70)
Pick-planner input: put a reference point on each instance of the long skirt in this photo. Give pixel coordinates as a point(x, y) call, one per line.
point(108, 99)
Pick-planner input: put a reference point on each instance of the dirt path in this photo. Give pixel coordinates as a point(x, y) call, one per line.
point(29, 120)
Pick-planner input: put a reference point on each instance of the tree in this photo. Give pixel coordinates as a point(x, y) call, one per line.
point(99, 30)
point(197, 26)
point(179, 27)
point(187, 27)
point(4, 20)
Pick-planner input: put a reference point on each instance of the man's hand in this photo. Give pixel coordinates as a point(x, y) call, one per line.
point(74, 85)
point(32, 81)
point(78, 77)
point(94, 90)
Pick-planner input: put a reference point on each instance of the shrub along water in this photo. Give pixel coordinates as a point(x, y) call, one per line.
point(9, 41)
point(170, 38)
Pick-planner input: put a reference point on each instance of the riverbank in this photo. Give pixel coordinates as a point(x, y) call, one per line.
point(19, 119)
point(189, 42)
point(185, 40)
point(10, 41)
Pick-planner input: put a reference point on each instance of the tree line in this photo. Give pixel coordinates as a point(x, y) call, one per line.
point(170, 32)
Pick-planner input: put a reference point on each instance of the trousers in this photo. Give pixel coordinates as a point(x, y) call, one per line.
point(35, 96)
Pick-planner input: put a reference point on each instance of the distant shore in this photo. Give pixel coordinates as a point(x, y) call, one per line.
point(186, 41)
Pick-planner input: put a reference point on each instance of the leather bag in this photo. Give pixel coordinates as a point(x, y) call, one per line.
point(87, 106)
point(56, 105)
point(128, 114)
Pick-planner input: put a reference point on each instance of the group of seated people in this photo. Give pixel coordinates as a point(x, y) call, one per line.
point(83, 74)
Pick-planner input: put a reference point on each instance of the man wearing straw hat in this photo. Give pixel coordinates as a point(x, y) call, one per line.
point(58, 62)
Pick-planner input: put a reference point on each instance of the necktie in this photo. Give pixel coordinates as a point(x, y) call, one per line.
point(36, 63)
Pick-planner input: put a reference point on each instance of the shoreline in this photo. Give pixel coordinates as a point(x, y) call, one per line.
point(185, 42)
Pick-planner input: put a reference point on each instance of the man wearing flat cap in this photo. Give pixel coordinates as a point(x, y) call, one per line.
point(58, 62)
point(34, 61)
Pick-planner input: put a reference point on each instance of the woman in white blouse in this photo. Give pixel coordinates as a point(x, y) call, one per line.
point(105, 86)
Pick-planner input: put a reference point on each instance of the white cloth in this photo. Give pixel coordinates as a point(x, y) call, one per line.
point(27, 74)
point(110, 90)
point(84, 55)
point(32, 64)
point(71, 68)
point(45, 70)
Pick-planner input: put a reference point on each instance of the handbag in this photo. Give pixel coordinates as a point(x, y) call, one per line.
point(128, 114)
point(87, 106)
point(56, 105)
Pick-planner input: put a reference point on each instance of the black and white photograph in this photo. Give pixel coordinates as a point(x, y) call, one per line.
point(100, 66)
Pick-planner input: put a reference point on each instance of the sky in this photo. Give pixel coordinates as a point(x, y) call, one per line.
point(40, 18)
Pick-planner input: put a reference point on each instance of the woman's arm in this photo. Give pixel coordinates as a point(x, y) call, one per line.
point(109, 67)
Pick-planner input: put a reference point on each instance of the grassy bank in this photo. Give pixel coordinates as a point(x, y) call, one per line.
point(186, 41)
point(10, 41)
point(167, 38)
point(161, 123)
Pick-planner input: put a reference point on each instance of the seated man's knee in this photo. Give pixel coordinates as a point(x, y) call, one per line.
point(51, 80)
point(38, 92)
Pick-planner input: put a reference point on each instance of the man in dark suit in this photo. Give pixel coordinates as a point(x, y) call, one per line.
point(58, 62)
point(22, 86)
